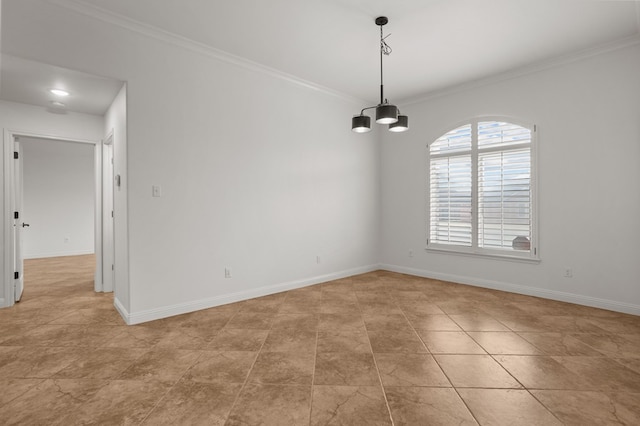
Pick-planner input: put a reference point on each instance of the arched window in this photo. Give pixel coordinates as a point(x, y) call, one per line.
point(481, 190)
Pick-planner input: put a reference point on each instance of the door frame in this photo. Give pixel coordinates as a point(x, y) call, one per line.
point(9, 205)
point(107, 213)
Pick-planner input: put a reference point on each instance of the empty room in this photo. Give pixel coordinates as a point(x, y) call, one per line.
point(342, 212)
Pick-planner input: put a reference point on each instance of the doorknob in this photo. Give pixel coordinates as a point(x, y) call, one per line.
point(25, 224)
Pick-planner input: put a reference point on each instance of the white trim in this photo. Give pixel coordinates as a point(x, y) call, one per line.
point(97, 216)
point(544, 293)
point(165, 36)
point(58, 254)
point(528, 256)
point(59, 138)
point(525, 70)
point(8, 219)
point(106, 214)
point(183, 308)
point(487, 254)
point(122, 310)
point(8, 138)
point(151, 31)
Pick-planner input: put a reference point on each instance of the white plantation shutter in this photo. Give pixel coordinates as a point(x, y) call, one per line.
point(450, 188)
point(499, 134)
point(504, 198)
point(457, 140)
point(451, 200)
point(480, 189)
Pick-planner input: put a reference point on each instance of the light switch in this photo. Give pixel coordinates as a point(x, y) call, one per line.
point(156, 191)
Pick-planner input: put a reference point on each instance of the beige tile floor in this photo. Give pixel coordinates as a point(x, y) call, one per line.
point(375, 349)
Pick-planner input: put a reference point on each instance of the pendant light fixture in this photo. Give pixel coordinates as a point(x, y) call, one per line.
point(386, 113)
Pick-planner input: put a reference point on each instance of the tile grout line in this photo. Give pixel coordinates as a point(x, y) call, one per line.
point(492, 355)
point(313, 375)
point(177, 381)
point(505, 369)
point(545, 407)
point(455, 389)
point(169, 390)
point(23, 393)
point(246, 380)
point(542, 353)
point(375, 363)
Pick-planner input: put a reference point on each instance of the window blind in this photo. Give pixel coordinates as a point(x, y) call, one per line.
point(456, 140)
point(499, 134)
point(450, 177)
point(480, 188)
point(504, 197)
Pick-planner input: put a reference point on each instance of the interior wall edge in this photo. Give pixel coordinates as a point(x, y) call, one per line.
point(560, 296)
point(196, 305)
point(534, 68)
point(124, 313)
point(168, 37)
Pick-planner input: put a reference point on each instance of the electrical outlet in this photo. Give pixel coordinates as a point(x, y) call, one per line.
point(227, 272)
point(568, 272)
point(410, 253)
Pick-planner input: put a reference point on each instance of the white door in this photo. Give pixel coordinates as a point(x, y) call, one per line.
point(18, 222)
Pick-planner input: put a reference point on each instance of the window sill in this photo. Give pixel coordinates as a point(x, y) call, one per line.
point(493, 256)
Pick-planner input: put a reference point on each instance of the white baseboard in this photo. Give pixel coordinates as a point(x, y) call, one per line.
point(579, 299)
point(183, 308)
point(57, 254)
point(196, 305)
point(121, 310)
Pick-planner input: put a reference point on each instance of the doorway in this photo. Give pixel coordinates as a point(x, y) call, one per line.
point(79, 214)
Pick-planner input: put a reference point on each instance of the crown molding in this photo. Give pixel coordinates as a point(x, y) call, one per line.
point(526, 70)
point(168, 37)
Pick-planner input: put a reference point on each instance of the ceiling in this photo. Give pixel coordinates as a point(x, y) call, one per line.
point(29, 82)
point(437, 44)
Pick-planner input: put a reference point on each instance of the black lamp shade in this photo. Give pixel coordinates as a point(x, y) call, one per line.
point(402, 125)
point(386, 114)
point(361, 123)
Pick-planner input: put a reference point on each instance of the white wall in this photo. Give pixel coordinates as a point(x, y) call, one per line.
point(35, 120)
point(256, 176)
point(258, 173)
point(59, 198)
point(588, 118)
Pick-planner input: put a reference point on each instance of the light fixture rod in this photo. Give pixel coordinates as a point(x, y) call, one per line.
point(364, 109)
point(381, 23)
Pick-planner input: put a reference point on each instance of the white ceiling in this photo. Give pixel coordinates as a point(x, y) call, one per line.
point(436, 44)
point(29, 82)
